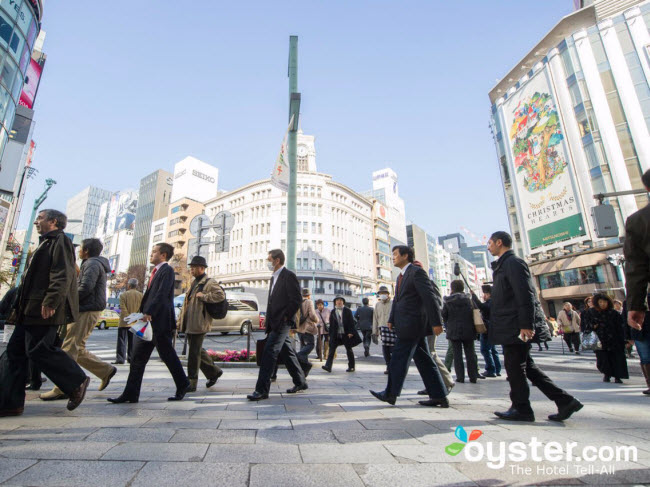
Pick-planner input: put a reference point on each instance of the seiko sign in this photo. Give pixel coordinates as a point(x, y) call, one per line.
point(205, 177)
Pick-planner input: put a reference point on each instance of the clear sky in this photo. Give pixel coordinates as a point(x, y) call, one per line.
point(133, 86)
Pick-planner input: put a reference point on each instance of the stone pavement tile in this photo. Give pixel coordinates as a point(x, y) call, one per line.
point(162, 413)
point(434, 453)
point(304, 476)
point(422, 475)
point(294, 437)
point(35, 421)
point(194, 405)
point(141, 435)
point(542, 473)
point(77, 473)
point(224, 414)
point(48, 434)
point(325, 424)
point(162, 452)
point(394, 424)
point(614, 473)
point(252, 454)
point(108, 422)
point(175, 474)
point(181, 423)
point(386, 437)
point(52, 450)
point(99, 410)
point(274, 404)
point(213, 436)
point(254, 424)
point(352, 453)
point(13, 466)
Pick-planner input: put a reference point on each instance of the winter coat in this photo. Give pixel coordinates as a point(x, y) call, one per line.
point(380, 315)
point(194, 318)
point(323, 322)
point(363, 315)
point(92, 284)
point(608, 325)
point(458, 317)
point(637, 258)
point(542, 330)
point(565, 323)
point(129, 303)
point(309, 325)
point(50, 280)
point(513, 300)
point(348, 326)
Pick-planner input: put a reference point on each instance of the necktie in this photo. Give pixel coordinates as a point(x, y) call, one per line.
point(399, 282)
point(153, 273)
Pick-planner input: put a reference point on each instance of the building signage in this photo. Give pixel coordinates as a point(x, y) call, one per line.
point(200, 175)
point(32, 80)
point(540, 171)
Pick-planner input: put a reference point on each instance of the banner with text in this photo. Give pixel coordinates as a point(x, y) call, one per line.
point(281, 170)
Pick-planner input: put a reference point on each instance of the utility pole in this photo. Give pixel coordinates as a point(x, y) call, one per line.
point(28, 236)
point(294, 111)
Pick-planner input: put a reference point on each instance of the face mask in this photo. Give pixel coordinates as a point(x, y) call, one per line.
point(269, 264)
point(383, 297)
point(339, 307)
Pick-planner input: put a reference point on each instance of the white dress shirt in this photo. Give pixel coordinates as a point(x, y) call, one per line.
point(276, 274)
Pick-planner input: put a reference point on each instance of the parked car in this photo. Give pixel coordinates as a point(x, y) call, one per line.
point(108, 319)
point(243, 314)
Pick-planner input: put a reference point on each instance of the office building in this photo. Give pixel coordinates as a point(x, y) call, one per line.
point(83, 211)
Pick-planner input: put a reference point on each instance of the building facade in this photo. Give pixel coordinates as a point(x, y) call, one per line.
point(194, 179)
point(84, 211)
point(435, 259)
point(153, 203)
point(116, 227)
point(576, 124)
point(177, 234)
point(382, 248)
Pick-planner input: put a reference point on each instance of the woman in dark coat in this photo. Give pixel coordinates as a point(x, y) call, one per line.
point(608, 324)
point(459, 320)
point(342, 332)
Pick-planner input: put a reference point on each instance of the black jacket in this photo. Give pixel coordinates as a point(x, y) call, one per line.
point(158, 300)
point(542, 331)
point(348, 326)
point(631, 333)
point(50, 280)
point(608, 325)
point(92, 284)
point(637, 258)
point(363, 316)
point(284, 301)
point(458, 317)
point(513, 300)
point(415, 309)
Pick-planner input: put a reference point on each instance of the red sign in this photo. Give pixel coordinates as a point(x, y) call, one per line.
point(32, 79)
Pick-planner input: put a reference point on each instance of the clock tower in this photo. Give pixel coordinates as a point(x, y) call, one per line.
point(306, 153)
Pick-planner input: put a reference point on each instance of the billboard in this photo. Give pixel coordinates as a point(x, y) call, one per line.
point(32, 79)
point(127, 202)
point(542, 176)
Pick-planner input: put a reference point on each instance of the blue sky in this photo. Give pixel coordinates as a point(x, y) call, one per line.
point(130, 87)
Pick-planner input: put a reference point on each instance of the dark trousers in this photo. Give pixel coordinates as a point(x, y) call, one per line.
point(367, 338)
point(400, 361)
point(490, 355)
point(38, 344)
point(198, 358)
point(470, 357)
point(142, 349)
point(307, 343)
point(278, 344)
point(520, 368)
point(334, 344)
point(573, 341)
point(387, 350)
point(124, 345)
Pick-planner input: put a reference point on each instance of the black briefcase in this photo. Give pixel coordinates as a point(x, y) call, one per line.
point(259, 350)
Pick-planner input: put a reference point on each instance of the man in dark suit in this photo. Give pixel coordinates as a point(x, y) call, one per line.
point(284, 301)
point(47, 298)
point(158, 308)
point(415, 314)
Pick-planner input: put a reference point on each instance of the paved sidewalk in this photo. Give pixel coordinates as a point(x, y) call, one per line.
point(334, 434)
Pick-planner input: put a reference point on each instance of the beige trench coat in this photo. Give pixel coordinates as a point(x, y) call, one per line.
point(129, 303)
point(309, 326)
point(194, 319)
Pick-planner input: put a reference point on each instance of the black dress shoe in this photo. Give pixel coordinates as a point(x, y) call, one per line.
point(213, 381)
point(117, 363)
point(78, 395)
point(383, 397)
point(180, 393)
point(423, 392)
point(4, 413)
point(257, 396)
point(481, 376)
point(274, 378)
point(121, 399)
point(294, 389)
point(33, 387)
point(306, 367)
point(513, 415)
point(350, 369)
point(326, 368)
point(565, 412)
point(436, 403)
point(489, 374)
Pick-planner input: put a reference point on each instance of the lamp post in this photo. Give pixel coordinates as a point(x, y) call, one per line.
point(28, 235)
point(294, 111)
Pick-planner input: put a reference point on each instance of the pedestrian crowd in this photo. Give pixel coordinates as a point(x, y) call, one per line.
point(58, 305)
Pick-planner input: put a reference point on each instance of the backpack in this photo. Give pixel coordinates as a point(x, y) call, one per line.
point(217, 311)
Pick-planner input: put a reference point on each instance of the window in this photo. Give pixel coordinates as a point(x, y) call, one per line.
point(159, 227)
point(176, 209)
point(573, 277)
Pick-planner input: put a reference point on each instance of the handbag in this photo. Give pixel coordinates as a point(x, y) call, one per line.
point(590, 341)
point(479, 325)
point(259, 351)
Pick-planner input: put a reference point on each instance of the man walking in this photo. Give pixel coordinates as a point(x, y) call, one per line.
point(47, 299)
point(637, 261)
point(195, 321)
point(512, 321)
point(92, 301)
point(414, 315)
point(363, 315)
point(284, 302)
point(306, 330)
point(158, 309)
point(488, 350)
point(129, 303)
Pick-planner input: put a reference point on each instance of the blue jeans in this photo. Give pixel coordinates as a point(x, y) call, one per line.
point(490, 355)
point(643, 347)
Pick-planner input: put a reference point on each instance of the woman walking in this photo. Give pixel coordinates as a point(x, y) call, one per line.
point(380, 324)
point(607, 323)
point(342, 332)
point(323, 346)
point(458, 318)
point(569, 322)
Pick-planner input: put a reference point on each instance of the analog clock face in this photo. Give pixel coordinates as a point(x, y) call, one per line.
point(302, 150)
